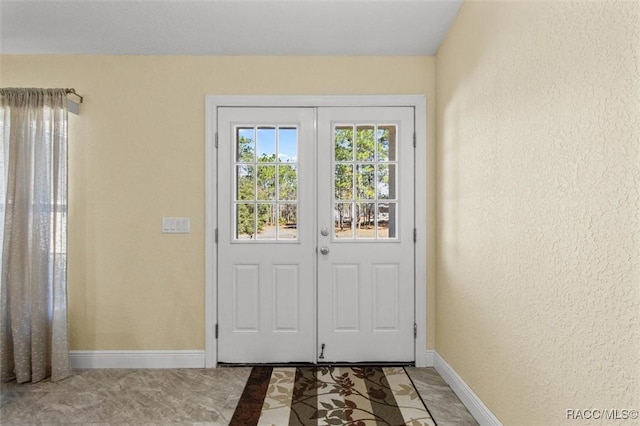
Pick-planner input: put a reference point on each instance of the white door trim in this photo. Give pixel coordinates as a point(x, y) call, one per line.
point(213, 102)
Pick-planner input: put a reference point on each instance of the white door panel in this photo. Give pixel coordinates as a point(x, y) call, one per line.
point(266, 286)
point(365, 196)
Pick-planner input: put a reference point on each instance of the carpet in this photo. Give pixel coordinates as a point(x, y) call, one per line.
point(354, 396)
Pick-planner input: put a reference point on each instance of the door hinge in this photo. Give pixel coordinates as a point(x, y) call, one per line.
point(215, 235)
point(414, 139)
point(415, 330)
point(216, 331)
point(415, 235)
point(217, 139)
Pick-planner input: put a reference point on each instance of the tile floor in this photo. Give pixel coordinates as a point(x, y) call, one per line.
point(181, 396)
point(443, 404)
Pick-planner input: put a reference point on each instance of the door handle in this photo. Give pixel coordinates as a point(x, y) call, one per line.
point(324, 250)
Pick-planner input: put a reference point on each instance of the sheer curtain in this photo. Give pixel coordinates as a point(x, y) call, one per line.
point(33, 212)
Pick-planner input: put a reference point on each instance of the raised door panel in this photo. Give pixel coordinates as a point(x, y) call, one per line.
point(286, 297)
point(246, 297)
point(386, 292)
point(345, 305)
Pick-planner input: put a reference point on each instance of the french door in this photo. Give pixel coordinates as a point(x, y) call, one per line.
point(315, 234)
point(365, 260)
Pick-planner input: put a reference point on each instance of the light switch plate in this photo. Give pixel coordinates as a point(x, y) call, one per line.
point(176, 225)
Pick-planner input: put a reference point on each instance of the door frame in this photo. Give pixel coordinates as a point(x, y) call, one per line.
point(422, 203)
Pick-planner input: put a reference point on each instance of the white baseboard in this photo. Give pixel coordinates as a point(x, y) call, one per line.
point(137, 359)
point(429, 357)
point(467, 396)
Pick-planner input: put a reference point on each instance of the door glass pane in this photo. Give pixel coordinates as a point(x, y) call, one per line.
point(245, 223)
point(366, 182)
point(245, 185)
point(266, 183)
point(343, 181)
point(386, 181)
point(386, 137)
point(288, 222)
point(387, 220)
point(288, 183)
point(365, 143)
point(343, 143)
point(266, 144)
point(383, 181)
point(266, 171)
point(245, 144)
point(343, 223)
point(382, 220)
point(266, 222)
point(365, 226)
point(288, 145)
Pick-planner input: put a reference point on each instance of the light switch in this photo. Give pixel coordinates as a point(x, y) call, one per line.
point(176, 225)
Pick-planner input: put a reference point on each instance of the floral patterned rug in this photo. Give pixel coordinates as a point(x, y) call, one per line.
point(354, 396)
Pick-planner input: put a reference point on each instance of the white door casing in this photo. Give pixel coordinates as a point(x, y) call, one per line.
point(248, 274)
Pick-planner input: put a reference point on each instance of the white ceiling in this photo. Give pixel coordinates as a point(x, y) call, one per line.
point(225, 27)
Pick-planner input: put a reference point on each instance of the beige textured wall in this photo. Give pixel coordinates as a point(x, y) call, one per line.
point(137, 154)
point(538, 139)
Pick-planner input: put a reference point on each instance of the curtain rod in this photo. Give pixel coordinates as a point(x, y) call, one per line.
point(73, 92)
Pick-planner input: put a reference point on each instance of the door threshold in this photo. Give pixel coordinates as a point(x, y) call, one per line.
point(367, 364)
point(266, 364)
point(319, 364)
